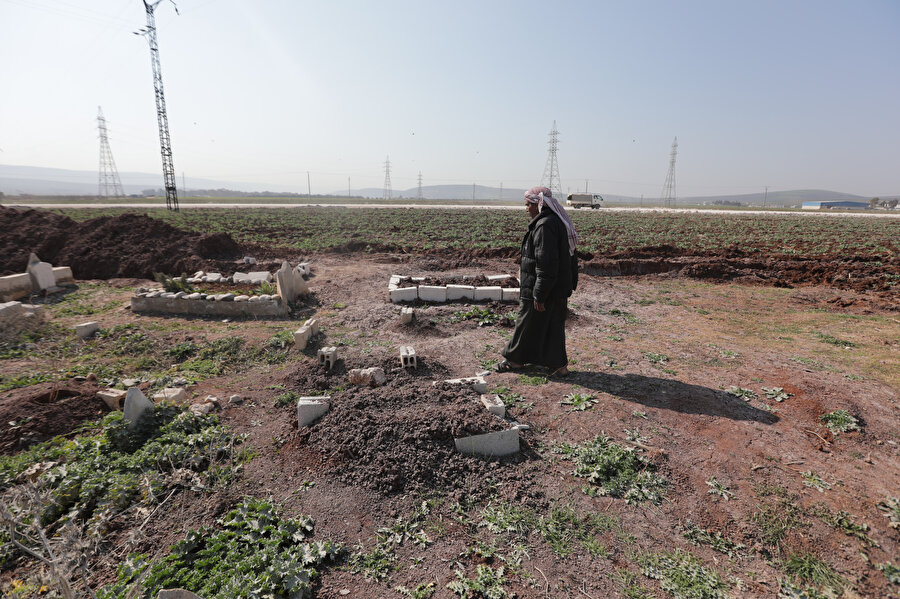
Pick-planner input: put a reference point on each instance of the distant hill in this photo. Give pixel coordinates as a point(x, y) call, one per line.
point(33, 180)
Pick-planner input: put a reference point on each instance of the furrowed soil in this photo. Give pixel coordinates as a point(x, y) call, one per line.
point(675, 353)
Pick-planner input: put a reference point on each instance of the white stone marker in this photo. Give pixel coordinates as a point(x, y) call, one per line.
point(488, 293)
point(301, 337)
point(327, 356)
point(510, 294)
point(478, 383)
point(313, 325)
point(136, 403)
point(310, 409)
point(86, 330)
point(404, 294)
point(406, 315)
point(408, 357)
point(490, 445)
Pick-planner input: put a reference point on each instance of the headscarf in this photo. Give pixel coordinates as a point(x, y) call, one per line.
point(542, 196)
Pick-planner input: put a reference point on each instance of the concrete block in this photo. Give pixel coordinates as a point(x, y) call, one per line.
point(114, 398)
point(432, 293)
point(63, 274)
point(13, 287)
point(41, 273)
point(301, 337)
point(86, 330)
point(373, 377)
point(170, 394)
point(327, 356)
point(488, 294)
point(313, 325)
point(494, 404)
point(510, 295)
point(213, 277)
point(407, 315)
point(408, 357)
point(478, 383)
point(458, 292)
point(498, 277)
point(136, 403)
point(304, 268)
point(404, 294)
point(490, 445)
point(310, 409)
point(253, 278)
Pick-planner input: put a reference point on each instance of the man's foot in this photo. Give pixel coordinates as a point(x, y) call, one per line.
point(560, 372)
point(506, 366)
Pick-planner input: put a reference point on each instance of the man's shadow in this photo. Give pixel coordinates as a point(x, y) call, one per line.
point(673, 395)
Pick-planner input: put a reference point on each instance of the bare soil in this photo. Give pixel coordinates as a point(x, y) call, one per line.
point(656, 338)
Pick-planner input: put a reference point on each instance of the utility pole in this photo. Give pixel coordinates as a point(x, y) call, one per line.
point(473, 193)
point(110, 185)
point(348, 187)
point(165, 142)
point(585, 185)
point(308, 188)
point(766, 199)
point(419, 195)
point(501, 191)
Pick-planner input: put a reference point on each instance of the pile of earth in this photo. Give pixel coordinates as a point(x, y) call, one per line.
point(40, 412)
point(399, 438)
point(129, 245)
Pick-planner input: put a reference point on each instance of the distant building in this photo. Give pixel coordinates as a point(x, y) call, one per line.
point(826, 205)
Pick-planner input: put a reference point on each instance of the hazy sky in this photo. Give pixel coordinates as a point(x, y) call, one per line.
point(793, 94)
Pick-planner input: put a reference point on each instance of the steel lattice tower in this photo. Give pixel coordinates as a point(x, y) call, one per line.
point(668, 194)
point(387, 178)
point(419, 196)
point(110, 186)
point(550, 178)
point(165, 142)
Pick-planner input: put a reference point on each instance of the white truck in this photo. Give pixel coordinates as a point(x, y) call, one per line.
point(579, 200)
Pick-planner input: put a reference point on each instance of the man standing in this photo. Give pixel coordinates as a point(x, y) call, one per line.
point(547, 277)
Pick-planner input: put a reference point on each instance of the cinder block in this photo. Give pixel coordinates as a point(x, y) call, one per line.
point(86, 329)
point(494, 294)
point(458, 292)
point(407, 315)
point(14, 286)
point(490, 445)
point(310, 409)
point(313, 325)
point(510, 295)
point(494, 404)
point(327, 356)
point(478, 383)
point(404, 294)
point(114, 398)
point(432, 293)
point(498, 277)
point(170, 394)
point(408, 357)
point(63, 274)
point(301, 337)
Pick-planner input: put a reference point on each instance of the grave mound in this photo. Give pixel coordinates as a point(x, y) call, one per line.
point(40, 412)
point(399, 438)
point(128, 245)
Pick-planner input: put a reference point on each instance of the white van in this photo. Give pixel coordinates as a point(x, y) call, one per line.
point(579, 200)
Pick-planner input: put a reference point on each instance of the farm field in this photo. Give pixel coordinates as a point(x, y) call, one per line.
point(729, 428)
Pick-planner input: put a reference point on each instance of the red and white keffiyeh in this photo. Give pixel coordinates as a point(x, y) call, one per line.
point(542, 196)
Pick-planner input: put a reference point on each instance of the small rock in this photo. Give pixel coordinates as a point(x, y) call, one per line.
point(91, 377)
point(179, 382)
point(201, 409)
point(235, 399)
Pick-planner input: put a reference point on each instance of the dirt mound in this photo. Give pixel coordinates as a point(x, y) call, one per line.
point(40, 412)
point(399, 438)
point(129, 245)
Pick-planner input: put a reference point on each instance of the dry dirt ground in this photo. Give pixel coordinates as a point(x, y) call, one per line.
point(657, 353)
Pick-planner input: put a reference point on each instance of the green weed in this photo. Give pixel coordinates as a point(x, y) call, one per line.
point(807, 568)
point(891, 507)
point(683, 575)
point(534, 381)
point(840, 421)
point(832, 340)
point(615, 470)
point(698, 536)
point(891, 572)
point(488, 583)
point(579, 401)
point(718, 488)
point(777, 393)
point(423, 591)
point(745, 394)
point(843, 521)
point(813, 480)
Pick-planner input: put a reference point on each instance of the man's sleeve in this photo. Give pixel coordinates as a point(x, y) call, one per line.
point(546, 254)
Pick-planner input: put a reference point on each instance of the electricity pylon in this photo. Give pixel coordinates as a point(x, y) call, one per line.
point(165, 142)
point(419, 196)
point(550, 178)
point(668, 195)
point(109, 186)
point(387, 178)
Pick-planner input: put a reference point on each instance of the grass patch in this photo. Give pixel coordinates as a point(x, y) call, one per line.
point(807, 568)
point(832, 340)
point(698, 536)
point(533, 381)
point(774, 519)
point(615, 470)
point(579, 401)
point(485, 317)
point(487, 583)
